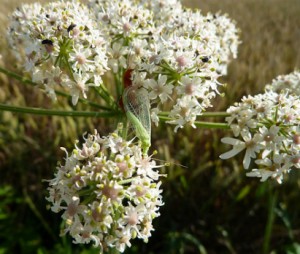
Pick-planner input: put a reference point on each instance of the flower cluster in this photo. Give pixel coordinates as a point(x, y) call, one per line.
point(289, 82)
point(267, 129)
point(176, 54)
point(227, 37)
point(59, 44)
point(178, 57)
point(108, 191)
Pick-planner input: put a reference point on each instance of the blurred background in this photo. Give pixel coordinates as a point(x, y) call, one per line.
point(210, 206)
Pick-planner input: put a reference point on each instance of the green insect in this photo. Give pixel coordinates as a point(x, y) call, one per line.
point(137, 109)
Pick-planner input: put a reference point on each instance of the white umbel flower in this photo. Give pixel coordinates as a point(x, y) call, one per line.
point(108, 192)
point(289, 82)
point(266, 127)
point(59, 37)
point(179, 52)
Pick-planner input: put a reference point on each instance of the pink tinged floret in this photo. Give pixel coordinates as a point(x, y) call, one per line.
point(98, 167)
point(110, 192)
point(126, 27)
point(154, 59)
point(72, 209)
point(296, 139)
point(122, 166)
point(78, 181)
point(289, 118)
point(97, 215)
point(133, 218)
point(252, 147)
point(140, 191)
point(119, 145)
point(158, 89)
point(181, 61)
point(86, 234)
point(75, 32)
point(296, 160)
point(85, 151)
point(81, 59)
point(269, 137)
point(190, 89)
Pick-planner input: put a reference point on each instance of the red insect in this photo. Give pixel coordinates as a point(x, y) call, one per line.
point(127, 78)
point(127, 83)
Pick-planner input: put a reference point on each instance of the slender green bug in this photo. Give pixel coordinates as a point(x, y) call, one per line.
point(137, 109)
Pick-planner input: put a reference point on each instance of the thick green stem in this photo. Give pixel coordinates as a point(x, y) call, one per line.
point(201, 124)
point(215, 114)
point(48, 112)
point(270, 222)
point(17, 77)
point(211, 125)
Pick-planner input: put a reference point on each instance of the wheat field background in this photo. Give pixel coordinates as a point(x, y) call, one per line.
point(210, 206)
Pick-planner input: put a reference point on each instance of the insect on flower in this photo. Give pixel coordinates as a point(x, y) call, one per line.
point(127, 78)
point(48, 45)
point(127, 82)
point(137, 108)
point(47, 42)
point(71, 27)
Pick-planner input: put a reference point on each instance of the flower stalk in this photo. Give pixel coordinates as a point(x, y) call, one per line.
point(49, 112)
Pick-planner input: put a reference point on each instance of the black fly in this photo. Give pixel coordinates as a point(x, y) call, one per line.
point(71, 27)
point(47, 42)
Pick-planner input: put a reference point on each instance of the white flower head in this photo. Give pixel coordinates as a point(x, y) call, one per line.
point(171, 51)
point(266, 126)
point(107, 190)
point(48, 40)
point(179, 52)
point(289, 82)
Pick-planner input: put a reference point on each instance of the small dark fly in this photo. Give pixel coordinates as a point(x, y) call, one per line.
point(71, 27)
point(47, 42)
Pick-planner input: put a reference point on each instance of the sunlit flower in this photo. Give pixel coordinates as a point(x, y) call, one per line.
point(108, 192)
point(179, 52)
point(251, 145)
point(159, 88)
point(266, 126)
point(48, 38)
point(289, 82)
